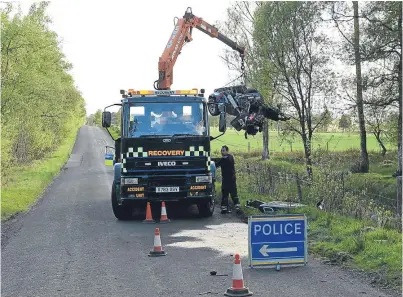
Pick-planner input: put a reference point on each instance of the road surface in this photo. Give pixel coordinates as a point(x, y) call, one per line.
point(70, 244)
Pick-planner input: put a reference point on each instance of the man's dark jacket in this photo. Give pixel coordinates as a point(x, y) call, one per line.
point(227, 165)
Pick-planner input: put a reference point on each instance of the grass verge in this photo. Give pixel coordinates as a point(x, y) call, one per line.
point(28, 182)
point(349, 242)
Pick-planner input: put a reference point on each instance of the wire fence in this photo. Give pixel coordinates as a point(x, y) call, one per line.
point(339, 192)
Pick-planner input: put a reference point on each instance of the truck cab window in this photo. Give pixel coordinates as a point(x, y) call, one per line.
point(166, 119)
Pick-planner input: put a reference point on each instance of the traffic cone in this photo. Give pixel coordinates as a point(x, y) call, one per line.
point(157, 249)
point(238, 288)
point(164, 217)
point(149, 216)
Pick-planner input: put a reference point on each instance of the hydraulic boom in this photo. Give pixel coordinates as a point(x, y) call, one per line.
point(182, 34)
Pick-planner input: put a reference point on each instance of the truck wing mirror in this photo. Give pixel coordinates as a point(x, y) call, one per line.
point(222, 124)
point(106, 119)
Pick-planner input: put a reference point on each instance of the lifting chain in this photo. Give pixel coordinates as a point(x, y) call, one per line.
point(243, 73)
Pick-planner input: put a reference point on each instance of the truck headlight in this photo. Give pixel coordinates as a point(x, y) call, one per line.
point(129, 181)
point(204, 179)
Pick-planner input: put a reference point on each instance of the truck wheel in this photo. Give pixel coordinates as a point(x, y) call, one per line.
point(206, 208)
point(120, 212)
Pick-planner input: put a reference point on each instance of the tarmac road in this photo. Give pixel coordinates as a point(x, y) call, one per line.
point(70, 244)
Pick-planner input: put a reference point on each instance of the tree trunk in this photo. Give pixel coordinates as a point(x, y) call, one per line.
point(378, 138)
point(399, 196)
point(399, 137)
point(364, 164)
point(265, 153)
point(307, 151)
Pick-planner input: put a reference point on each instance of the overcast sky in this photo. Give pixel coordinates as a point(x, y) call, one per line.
point(116, 45)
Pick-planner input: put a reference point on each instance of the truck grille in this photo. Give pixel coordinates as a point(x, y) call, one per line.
point(164, 166)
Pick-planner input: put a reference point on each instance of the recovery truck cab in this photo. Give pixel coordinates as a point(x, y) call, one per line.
point(163, 152)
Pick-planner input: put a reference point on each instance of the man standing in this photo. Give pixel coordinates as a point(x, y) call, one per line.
point(228, 186)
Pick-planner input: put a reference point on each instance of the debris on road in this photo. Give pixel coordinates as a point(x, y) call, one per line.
point(273, 206)
point(214, 273)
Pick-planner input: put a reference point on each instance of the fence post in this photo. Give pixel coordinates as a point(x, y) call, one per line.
point(299, 187)
point(342, 185)
point(399, 195)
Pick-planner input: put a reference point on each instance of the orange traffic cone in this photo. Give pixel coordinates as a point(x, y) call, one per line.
point(149, 217)
point(157, 249)
point(164, 217)
point(238, 288)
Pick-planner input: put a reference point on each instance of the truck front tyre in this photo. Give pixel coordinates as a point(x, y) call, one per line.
point(120, 211)
point(206, 208)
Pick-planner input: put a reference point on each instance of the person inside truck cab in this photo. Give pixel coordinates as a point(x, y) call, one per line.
point(139, 125)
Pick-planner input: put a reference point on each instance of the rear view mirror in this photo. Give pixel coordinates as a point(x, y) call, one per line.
point(222, 124)
point(106, 119)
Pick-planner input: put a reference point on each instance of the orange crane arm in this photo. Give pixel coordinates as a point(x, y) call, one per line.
point(181, 34)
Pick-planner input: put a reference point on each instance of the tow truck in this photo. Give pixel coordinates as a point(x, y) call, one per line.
point(163, 152)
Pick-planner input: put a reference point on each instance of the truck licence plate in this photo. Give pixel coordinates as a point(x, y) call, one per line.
point(167, 189)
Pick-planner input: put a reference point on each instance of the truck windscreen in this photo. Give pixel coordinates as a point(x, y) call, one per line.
point(168, 118)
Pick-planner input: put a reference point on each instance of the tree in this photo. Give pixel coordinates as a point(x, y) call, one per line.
point(345, 122)
point(383, 46)
point(376, 119)
point(40, 104)
point(364, 164)
point(239, 27)
point(286, 35)
point(325, 119)
point(342, 15)
point(213, 121)
point(98, 118)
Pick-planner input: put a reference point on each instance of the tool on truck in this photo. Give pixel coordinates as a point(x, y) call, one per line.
point(163, 152)
point(247, 105)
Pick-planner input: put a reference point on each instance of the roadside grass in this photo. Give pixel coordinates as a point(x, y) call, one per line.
point(26, 183)
point(357, 244)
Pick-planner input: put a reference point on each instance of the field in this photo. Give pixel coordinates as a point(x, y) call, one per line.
point(336, 142)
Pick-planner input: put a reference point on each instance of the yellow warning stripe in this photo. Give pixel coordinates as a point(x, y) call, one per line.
point(276, 262)
point(277, 218)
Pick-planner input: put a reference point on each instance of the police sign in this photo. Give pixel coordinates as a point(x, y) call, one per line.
point(277, 240)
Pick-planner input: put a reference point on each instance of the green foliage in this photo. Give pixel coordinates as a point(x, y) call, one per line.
point(294, 55)
point(40, 104)
point(345, 122)
point(26, 183)
point(98, 118)
point(324, 120)
point(361, 196)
